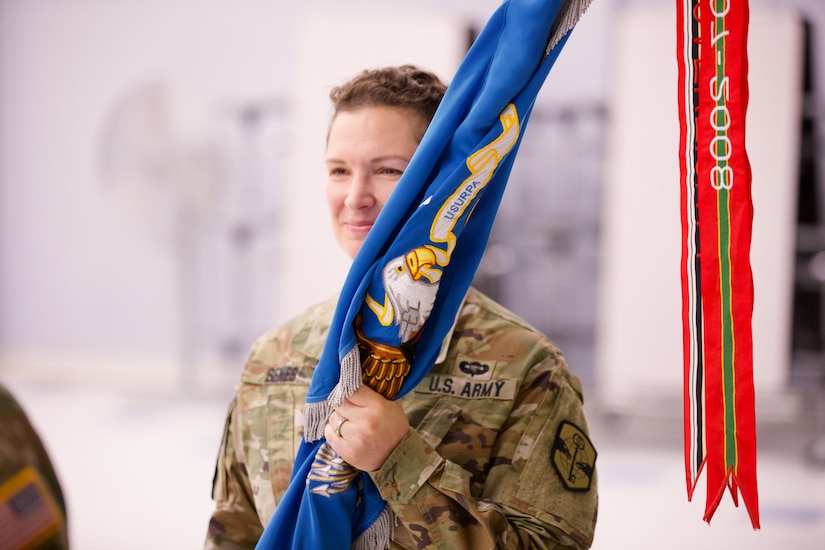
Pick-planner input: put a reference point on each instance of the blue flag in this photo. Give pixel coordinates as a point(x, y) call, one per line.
point(410, 276)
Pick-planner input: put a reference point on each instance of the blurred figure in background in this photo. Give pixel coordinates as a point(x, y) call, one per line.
point(32, 508)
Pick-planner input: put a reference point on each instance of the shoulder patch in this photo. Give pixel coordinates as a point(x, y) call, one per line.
point(573, 457)
point(28, 512)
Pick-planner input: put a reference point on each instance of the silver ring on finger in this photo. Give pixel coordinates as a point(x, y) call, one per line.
point(338, 426)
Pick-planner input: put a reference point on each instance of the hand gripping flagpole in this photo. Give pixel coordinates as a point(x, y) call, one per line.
point(717, 283)
point(407, 281)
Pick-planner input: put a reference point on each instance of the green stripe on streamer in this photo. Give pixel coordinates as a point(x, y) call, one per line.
point(715, 187)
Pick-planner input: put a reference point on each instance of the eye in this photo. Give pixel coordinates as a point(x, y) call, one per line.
point(337, 171)
point(389, 171)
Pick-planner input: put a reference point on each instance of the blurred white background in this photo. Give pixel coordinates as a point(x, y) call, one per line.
point(160, 188)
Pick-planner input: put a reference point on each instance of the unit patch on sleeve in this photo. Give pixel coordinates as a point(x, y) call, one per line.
point(573, 457)
point(28, 512)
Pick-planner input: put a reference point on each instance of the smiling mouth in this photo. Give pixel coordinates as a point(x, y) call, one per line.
point(359, 227)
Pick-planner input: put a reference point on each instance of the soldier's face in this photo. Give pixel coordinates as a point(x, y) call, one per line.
point(367, 151)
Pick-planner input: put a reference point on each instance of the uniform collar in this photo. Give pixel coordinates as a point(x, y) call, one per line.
point(445, 343)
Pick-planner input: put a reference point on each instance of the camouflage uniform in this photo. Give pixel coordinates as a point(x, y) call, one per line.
point(498, 456)
point(31, 501)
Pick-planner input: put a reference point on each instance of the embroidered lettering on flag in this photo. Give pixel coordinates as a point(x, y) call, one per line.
point(717, 283)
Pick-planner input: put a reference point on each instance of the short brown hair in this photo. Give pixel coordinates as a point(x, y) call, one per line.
point(404, 86)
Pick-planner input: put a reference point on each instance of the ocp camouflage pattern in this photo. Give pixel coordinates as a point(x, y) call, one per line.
point(477, 471)
point(22, 455)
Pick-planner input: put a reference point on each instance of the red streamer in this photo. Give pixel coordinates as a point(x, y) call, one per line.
point(717, 282)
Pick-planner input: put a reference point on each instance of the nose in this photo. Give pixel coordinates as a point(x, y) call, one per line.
point(359, 194)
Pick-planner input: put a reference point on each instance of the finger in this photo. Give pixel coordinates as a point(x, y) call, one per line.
point(328, 426)
point(330, 431)
point(362, 397)
point(337, 424)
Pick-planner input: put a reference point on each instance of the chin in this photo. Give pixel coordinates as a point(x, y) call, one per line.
point(352, 247)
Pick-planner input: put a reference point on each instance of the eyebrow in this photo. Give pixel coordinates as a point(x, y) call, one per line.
point(376, 159)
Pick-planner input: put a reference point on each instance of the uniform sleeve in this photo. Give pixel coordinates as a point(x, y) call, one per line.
point(234, 523)
point(539, 491)
point(27, 473)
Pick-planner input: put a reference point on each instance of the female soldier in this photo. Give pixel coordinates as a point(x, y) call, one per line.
point(490, 450)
